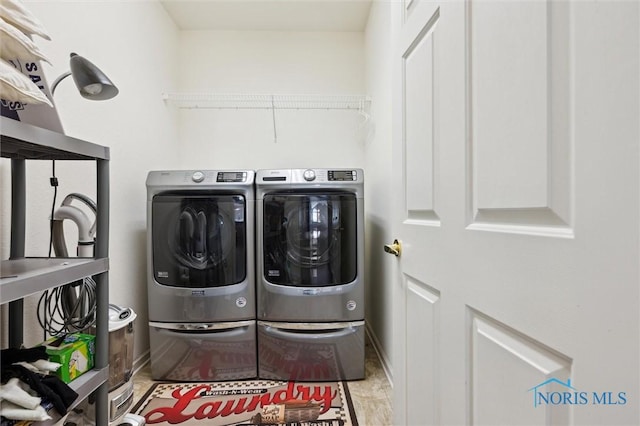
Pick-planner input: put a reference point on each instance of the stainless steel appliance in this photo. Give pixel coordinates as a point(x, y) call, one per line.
point(310, 274)
point(201, 274)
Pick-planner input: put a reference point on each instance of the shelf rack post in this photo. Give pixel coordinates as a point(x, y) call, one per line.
point(16, 250)
point(102, 282)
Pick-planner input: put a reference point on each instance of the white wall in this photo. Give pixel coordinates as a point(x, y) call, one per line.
point(138, 46)
point(379, 226)
point(135, 44)
point(271, 62)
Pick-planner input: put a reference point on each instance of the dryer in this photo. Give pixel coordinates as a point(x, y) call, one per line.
point(201, 274)
point(310, 274)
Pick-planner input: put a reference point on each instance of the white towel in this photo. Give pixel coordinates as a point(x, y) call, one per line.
point(46, 366)
point(13, 392)
point(15, 412)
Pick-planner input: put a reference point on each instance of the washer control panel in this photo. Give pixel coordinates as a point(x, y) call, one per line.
point(200, 176)
point(342, 175)
point(309, 175)
point(169, 180)
point(197, 177)
point(312, 177)
point(231, 177)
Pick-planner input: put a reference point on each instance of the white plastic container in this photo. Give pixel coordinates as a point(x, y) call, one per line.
point(121, 339)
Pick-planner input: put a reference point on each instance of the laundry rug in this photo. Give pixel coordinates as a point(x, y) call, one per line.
point(247, 403)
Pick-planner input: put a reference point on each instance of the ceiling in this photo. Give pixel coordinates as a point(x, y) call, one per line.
point(269, 15)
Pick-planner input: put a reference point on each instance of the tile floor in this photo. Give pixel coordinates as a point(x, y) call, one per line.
point(371, 396)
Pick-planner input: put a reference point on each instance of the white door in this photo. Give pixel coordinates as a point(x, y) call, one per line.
point(516, 157)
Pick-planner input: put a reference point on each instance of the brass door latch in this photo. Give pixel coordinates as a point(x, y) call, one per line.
point(394, 249)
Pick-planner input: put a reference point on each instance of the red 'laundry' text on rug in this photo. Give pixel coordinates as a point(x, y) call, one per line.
point(248, 403)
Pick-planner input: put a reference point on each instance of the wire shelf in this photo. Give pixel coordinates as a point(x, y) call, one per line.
point(267, 101)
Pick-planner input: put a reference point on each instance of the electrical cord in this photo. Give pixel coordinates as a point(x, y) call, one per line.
point(57, 319)
point(70, 308)
point(54, 182)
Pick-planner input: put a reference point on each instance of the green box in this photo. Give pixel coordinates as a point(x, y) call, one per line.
point(75, 354)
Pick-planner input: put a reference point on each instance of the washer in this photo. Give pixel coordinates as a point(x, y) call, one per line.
point(310, 274)
point(201, 274)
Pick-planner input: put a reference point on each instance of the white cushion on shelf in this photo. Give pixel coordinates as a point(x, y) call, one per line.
point(15, 86)
point(16, 45)
point(15, 13)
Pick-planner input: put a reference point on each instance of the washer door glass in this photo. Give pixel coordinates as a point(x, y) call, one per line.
point(198, 240)
point(310, 239)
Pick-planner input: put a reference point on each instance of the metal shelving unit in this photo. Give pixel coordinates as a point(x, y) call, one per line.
point(21, 276)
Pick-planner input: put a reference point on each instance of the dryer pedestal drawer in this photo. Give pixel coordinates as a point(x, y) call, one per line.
point(201, 352)
point(311, 351)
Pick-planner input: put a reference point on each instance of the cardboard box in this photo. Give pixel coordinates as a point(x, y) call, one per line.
point(75, 352)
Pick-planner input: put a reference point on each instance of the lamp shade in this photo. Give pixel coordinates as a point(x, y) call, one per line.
point(91, 82)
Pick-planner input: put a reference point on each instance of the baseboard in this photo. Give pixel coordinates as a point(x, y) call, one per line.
point(384, 361)
point(141, 361)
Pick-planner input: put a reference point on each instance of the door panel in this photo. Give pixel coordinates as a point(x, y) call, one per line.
point(520, 116)
point(419, 132)
point(422, 351)
point(496, 351)
point(517, 118)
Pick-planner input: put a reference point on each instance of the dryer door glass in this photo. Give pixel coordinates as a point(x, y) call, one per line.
point(199, 240)
point(310, 239)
